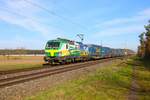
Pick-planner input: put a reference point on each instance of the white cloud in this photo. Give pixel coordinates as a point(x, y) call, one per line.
point(22, 14)
point(145, 12)
point(137, 18)
point(120, 30)
point(129, 25)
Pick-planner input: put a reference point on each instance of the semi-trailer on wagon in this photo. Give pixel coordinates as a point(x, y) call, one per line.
point(63, 50)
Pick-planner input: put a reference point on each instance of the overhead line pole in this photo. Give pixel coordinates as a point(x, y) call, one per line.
point(81, 36)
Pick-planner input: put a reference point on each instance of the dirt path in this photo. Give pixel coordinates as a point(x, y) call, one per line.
point(134, 86)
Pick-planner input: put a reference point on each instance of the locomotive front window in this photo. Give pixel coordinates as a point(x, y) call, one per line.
point(53, 45)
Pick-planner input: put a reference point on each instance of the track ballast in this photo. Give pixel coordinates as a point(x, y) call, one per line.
point(12, 79)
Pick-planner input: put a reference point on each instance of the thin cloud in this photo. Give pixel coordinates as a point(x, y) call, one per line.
point(120, 30)
point(26, 16)
point(119, 26)
point(137, 18)
point(145, 12)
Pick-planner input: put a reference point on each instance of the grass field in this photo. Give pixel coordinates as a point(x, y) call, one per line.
point(107, 83)
point(20, 62)
point(142, 77)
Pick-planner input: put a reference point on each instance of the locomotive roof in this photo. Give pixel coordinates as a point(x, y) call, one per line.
point(93, 45)
point(63, 40)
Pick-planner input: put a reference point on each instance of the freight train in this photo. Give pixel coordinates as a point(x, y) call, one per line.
point(62, 51)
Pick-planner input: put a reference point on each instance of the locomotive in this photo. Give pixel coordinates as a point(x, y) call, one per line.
point(63, 50)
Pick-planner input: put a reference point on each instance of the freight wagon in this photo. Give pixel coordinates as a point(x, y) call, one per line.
point(106, 52)
point(94, 51)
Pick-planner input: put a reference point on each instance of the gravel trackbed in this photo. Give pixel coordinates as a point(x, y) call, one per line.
point(21, 90)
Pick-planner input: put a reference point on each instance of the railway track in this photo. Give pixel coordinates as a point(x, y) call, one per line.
point(15, 78)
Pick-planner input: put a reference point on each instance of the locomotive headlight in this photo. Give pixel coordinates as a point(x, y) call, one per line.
point(59, 54)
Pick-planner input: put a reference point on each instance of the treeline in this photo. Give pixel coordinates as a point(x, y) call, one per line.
point(144, 48)
point(20, 52)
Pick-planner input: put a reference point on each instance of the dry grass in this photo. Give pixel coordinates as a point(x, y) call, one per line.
point(20, 62)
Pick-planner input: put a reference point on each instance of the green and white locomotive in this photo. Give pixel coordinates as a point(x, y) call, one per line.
point(64, 50)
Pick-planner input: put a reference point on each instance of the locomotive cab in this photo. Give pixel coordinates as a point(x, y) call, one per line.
point(56, 51)
point(52, 49)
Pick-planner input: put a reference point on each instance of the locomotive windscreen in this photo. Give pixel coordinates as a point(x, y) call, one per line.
point(53, 44)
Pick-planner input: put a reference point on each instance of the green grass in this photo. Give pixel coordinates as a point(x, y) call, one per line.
point(111, 82)
point(143, 79)
point(107, 83)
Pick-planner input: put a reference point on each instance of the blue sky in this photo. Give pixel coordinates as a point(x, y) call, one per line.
point(117, 23)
